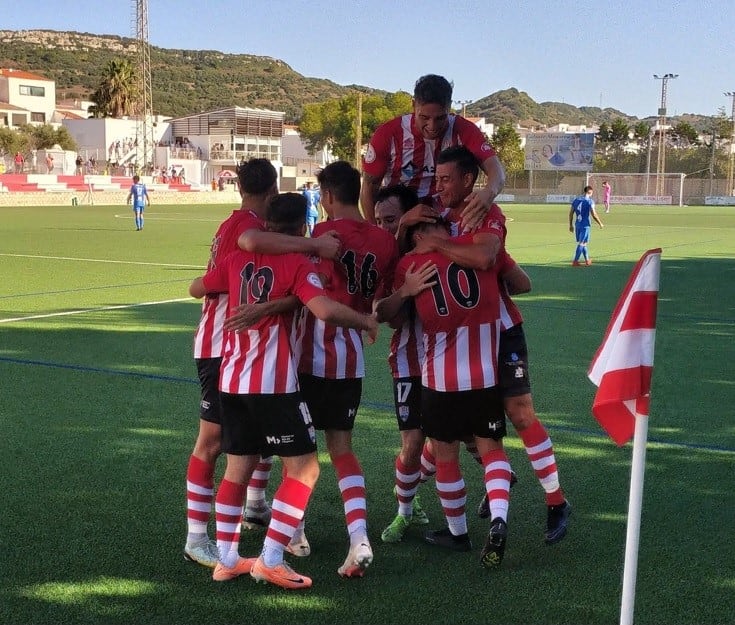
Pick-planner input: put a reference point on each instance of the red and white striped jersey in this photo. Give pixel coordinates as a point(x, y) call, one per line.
point(365, 268)
point(398, 153)
point(407, 349)
point(460, 319)
point(509, 314)
point(494, 221)
point(209, 336)
point(495, 224)
point(260, 360)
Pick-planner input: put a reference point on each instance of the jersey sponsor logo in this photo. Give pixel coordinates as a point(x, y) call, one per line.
point(518, 373)
point(408, 170)
point(514, 357)
point(370, 154)
point(351, 413)
point(273, 440)
point(494, 426)
point(204, 404)
point(314, 280)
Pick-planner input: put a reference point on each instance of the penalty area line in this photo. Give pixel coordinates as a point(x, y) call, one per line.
point(91, 310)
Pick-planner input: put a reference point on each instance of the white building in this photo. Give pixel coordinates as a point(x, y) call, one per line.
point(25, 98)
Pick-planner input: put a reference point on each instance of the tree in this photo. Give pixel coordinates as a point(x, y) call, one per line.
point(29, 137)
point(685, 134)
point(46, 136)
point(332, 123)
point(619, 132)
point(642, 132)
point(116, 94)
point(507, 144)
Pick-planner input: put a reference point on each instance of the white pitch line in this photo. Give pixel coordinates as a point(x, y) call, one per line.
point(88, 310)
point(103, 260)
point(169, 218)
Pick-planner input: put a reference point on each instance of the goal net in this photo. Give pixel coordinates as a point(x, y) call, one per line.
point(666, 189)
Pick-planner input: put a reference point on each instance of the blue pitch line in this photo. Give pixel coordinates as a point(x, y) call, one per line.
point(93, 288)
point(367, 404)
point(135, 374)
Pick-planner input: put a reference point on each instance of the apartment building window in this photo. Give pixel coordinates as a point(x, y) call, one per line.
point(38, 117)
point(31, 90)
point(19, 120)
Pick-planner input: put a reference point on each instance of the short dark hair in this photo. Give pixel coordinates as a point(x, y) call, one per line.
point(587, 188)
point(286, 213)
point(407, 197)
point(256, 176)
point(466, 161)
point(425, 225)
point(433, 89)
point(341, 179)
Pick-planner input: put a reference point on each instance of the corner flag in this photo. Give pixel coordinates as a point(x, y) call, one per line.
point(623, 364)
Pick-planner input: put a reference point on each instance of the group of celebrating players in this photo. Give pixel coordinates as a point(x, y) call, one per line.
point(279, 347)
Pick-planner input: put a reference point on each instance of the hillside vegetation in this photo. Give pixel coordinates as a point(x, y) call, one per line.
point(191, 81)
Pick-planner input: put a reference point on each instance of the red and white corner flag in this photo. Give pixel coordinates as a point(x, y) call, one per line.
point(623, 364)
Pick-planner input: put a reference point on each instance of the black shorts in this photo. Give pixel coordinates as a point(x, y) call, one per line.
point(333, 404)
point(513, 362)
point(457, 415)
point(407, 400)
point(209, 404)
point(266, 425)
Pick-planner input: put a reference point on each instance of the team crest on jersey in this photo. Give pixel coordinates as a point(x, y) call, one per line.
point(403, 412)
point(408, 169)
point(314, 280)
point(370, 154)
point(485, 147)
point(408, 144)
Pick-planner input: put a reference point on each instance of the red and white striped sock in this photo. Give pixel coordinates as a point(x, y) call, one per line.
point(351, 482)
point(228, 512)
point(199, 495)
point(497, 483)
point(259, 482)
point(289, 504)
point(407, 483)
point(541, 454)
point(428, 463)
point(453, 495)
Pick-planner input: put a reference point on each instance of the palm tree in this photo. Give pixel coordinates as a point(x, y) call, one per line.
point(117, 93)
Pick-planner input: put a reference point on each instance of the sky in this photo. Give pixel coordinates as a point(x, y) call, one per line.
point(585, 53)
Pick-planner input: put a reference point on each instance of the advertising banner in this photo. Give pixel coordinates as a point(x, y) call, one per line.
point(559, 151)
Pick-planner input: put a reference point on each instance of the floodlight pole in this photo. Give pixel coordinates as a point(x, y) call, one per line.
point(463, 104)
point(730, 190)
point(661, 163)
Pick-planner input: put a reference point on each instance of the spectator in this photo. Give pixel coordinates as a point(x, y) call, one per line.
point(49, 163)
point(19, 162)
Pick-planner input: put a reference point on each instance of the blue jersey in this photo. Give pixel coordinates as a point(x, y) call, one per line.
point(583, 207)
point(139, 194)
point(312, 200)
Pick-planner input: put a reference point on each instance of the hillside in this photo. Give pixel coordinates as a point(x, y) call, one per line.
point(190, 81)
point(183, 81)
point(511, 105)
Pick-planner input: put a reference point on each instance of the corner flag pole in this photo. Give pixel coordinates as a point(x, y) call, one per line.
point(635, 504)
point(622, 369)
